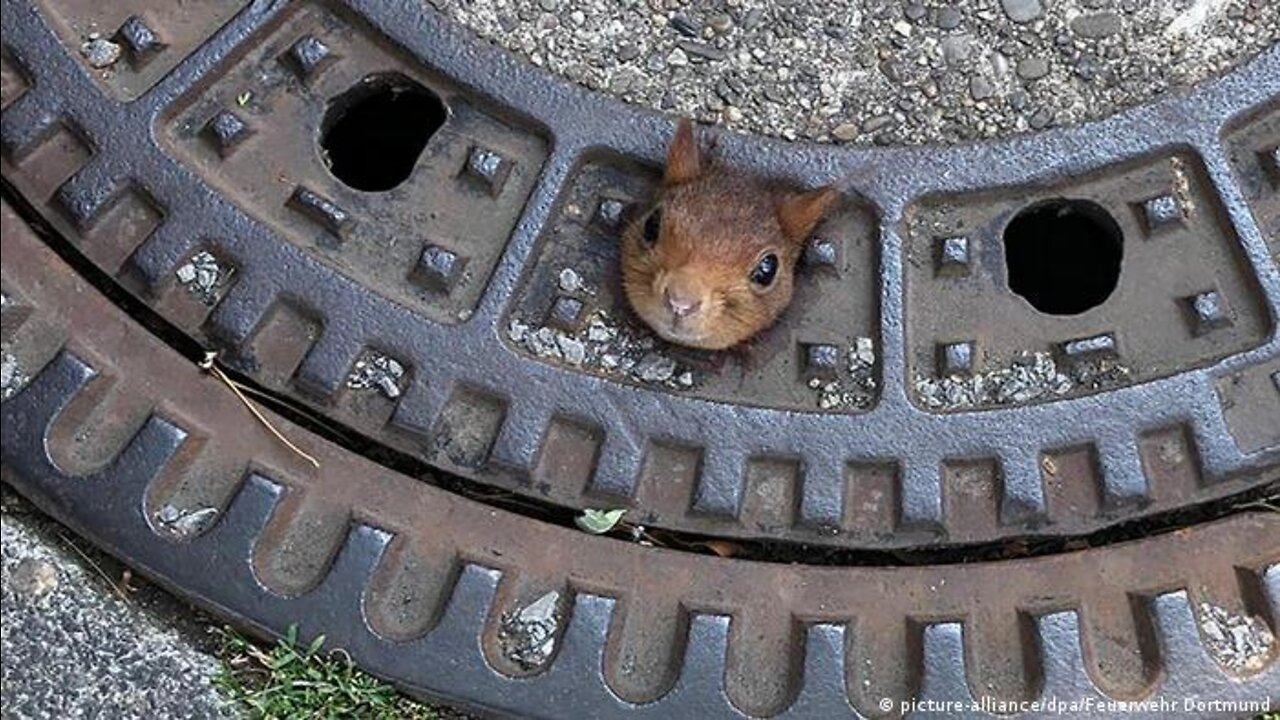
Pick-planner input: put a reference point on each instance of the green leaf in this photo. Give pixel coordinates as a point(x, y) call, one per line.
point(598, 522)
point(316, 645)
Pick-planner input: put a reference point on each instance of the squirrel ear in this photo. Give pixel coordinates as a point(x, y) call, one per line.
point(800, 214)
point(683, 161)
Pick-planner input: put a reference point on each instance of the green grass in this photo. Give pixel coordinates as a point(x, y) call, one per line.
point(286, 682)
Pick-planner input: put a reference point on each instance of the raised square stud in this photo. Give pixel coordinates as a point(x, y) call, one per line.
point(139, 40)
point(609, 212)
point(1207, 311)
point(821, 360)
point(566, 313)
point(1162, 212)
point(956, 358)
point(487, 169)
point(953, 256)
point(821, 252)
point(307, 57)
point(226, 131)
point(439, 268)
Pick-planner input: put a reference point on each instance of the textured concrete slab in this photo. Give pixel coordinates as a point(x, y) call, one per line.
point(71, 648)
point(881, 71)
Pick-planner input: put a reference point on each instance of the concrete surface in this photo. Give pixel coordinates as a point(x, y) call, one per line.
point(70, 647)
point(881, 71)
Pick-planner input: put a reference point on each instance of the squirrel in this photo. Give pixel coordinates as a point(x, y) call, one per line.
point(712, 262)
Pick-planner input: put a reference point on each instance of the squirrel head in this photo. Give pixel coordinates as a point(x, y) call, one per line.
point(712, 262)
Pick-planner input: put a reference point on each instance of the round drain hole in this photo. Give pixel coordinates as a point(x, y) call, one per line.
point(373, 134)
point(1063, 256)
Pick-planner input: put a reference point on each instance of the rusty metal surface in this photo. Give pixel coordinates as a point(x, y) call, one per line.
point(442, 281)
point(1168, 260)
point(149, 39)
point(117, 435)
point(1251, 145)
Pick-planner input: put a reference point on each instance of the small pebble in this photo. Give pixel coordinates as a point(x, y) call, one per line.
point(1041, 119)
point(700, 49)
point(874, 124)
point(1096, 26)
point(956, 49)
point(1032, 68)
point(948, 18)
point(574, 350)
point(34, 577)
point(100, 53)
point(683, 25)
point(569, 280)
point(980, 88)
point(845, 132)
point(1022, 11)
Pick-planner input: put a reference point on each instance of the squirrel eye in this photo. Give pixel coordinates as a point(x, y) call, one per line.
point(652, 226)
point(765, 271)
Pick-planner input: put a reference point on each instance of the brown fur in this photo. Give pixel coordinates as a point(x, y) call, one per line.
point(716, 226)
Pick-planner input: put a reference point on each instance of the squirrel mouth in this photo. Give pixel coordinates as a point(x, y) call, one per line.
point(677, 330)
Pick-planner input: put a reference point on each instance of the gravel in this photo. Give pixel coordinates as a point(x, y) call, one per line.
point(71, 648)
point(528, 636)
point(602, 344)
point(880, 71)
point(12, 377)
point(203, 276)
point(1239, 643)
point(375, 371)
point(1030, 377)
point(856, 388)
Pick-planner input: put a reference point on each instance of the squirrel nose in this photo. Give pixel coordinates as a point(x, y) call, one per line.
point(679, 304)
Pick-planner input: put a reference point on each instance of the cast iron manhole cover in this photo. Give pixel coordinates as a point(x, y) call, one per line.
point(1004, 360)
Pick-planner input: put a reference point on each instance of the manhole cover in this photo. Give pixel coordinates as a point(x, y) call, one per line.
point(1002, 360)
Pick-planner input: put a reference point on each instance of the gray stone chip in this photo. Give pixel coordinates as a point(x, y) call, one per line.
point(100, 52)
point(1240, 643)
point(380, 372)
point(528, 635)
